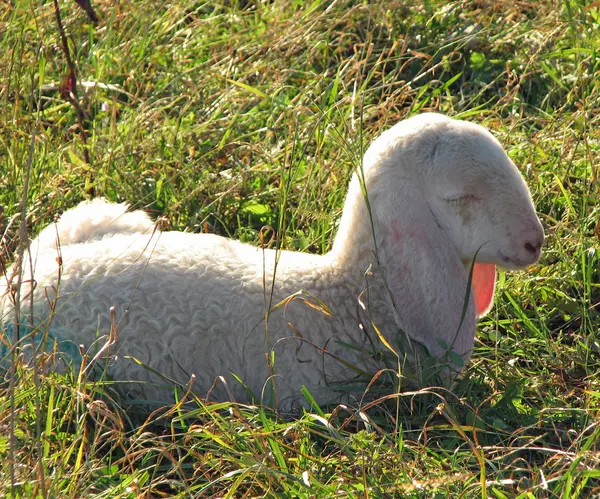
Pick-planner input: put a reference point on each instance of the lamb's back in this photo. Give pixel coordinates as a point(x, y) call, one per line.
point(188, 304)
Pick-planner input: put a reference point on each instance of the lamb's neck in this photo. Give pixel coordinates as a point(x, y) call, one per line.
point(355, 245)
point(337, 276)
point(340, 276)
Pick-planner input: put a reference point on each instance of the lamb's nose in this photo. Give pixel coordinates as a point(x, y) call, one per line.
point(533, 239)
point(533, 247)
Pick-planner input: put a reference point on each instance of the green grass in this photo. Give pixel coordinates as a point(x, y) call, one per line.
point(226, 116)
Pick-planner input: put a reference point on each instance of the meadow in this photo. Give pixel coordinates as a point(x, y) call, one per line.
point(227, 116)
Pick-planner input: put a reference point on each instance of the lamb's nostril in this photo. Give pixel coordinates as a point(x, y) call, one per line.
point(531, 248)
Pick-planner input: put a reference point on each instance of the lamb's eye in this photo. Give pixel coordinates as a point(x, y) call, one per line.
point(461, 200)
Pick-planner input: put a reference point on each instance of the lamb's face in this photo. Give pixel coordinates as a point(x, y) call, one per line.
point(479, 198)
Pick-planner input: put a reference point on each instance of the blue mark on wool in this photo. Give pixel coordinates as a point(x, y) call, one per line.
point(53, 337)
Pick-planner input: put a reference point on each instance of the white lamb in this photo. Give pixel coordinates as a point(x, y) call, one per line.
point(439, 191)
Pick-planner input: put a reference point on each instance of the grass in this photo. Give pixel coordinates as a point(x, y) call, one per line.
point(226, 116)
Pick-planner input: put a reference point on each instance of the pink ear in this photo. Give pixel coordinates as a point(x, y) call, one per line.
point(483, 284)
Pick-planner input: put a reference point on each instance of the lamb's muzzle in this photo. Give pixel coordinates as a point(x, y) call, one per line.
point(441, 192)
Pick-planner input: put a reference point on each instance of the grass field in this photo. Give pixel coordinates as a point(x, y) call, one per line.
point(225, 116)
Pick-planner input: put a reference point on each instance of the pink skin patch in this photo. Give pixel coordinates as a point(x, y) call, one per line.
point(483, 284)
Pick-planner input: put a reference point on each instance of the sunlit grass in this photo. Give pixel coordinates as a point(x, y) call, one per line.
point(229, 116)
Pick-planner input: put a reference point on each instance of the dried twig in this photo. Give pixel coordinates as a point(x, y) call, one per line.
point(69, 86)
point(89, 10)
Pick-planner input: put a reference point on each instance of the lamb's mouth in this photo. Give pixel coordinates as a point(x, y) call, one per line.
point(509, 263)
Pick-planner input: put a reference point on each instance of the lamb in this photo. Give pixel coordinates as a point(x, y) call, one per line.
point(251, 322)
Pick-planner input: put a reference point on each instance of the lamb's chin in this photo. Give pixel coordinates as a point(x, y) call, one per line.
point(501, 261)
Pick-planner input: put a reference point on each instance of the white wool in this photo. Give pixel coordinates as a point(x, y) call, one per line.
point(439, 190)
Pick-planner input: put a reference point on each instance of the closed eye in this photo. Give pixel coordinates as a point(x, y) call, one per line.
point(459, 200)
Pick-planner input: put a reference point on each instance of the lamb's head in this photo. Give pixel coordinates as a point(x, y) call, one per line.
point(440, 193)
point(479, 198)
point(471, 187)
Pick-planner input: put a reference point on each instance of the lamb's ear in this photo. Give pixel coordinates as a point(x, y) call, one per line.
point(483, 284)
point(425, 276)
